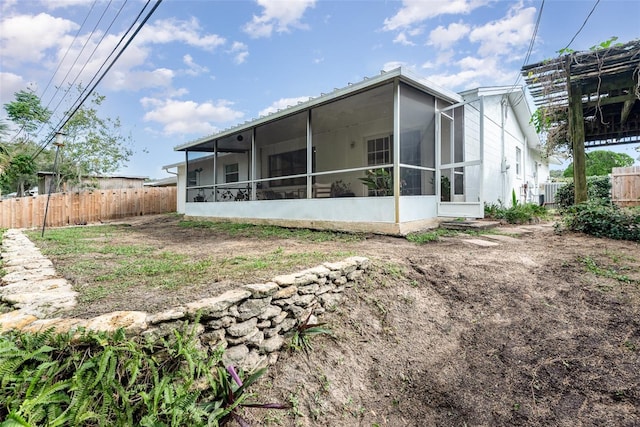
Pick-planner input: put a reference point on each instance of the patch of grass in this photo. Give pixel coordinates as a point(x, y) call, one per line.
point(430, 236)
point(272, 231)
point(125, 250)
point(99, 266)
point(74, 240)
point(609, 272)
point(393, 270)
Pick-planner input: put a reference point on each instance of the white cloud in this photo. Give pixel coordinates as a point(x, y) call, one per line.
point(193, 68)
point(474, 72)
point(402, 39)
point(10, 84)
point(57, 4)
point(136, 80)
point(281, 104)
point(445, 57)
point(279, 16)
point(500, 36)
point(416, 11)
point(175, 30)
point(189, 117)
point(240, 52)
point(26, 38)
point(443, 37)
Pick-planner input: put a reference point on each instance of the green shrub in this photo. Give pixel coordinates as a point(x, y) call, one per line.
point(598, 218)
point(516, 214)
point(598, 187)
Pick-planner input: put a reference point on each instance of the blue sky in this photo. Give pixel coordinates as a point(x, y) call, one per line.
point(198, 67)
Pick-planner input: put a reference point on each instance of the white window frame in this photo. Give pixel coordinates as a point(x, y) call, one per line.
point(518, 161)
point(227, 173)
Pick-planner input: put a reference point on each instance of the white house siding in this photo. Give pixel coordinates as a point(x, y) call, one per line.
point(499, 182)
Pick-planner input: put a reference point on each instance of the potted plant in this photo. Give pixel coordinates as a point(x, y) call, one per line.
point(341, 189)
point(379, 182)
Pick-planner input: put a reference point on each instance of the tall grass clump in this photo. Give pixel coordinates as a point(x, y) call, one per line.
point(518, 213)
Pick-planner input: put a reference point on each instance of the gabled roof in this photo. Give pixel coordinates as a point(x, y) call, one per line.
point(384, 77)
point(519, 103)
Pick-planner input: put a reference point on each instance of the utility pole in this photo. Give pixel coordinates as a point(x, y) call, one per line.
point(59, 144)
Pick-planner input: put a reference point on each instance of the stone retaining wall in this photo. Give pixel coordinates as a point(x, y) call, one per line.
point(250, 322)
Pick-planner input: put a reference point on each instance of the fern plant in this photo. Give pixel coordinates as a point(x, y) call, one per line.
point(107, 379)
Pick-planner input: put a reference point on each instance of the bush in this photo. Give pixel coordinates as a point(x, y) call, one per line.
point(516, 214)
point(600, 219)
point(598, 187)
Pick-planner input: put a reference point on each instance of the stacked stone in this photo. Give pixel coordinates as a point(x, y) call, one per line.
point(31, 283)
point(251, 322)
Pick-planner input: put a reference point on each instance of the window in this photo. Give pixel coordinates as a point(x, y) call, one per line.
point(518, 160)
point(285, 164)
point(379, 151)
point(231, 173)
point(193, 177)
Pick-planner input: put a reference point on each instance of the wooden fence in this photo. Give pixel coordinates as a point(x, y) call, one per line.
point(86, 206)
point(625, 186)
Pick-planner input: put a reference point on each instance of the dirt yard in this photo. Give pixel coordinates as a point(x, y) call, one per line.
point(539, 330)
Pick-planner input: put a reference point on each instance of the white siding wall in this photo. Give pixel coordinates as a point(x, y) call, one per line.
point(499, 184)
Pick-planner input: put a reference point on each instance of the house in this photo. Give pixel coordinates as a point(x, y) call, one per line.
point(391, 154)
point(170, 181)
point(101, 182)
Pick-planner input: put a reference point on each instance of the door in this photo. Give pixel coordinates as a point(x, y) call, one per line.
point(459, 160)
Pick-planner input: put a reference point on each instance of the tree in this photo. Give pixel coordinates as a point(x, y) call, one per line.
point(20, 173)
point(17, 166)
point(600, 162)
point(93, 145)
point(27, 111)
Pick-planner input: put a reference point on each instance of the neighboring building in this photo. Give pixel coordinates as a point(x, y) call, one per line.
point(337, 162)
point(170, 181)
point(98, 182)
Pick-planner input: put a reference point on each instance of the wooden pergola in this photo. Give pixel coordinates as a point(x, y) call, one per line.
point(591, 98)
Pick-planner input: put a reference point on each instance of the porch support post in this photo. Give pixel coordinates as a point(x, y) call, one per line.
point(252, 165)
point(215, 170)
point(481, 189)
point(396, 149)
point(438, 139)
point(309, 156)
point(576, 132)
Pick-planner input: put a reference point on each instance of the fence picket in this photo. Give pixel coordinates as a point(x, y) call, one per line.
point(86, 206)
point(625, 186)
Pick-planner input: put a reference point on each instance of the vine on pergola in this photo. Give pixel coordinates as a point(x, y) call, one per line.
point(606, 73)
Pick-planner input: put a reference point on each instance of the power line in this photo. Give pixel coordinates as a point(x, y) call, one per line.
point(529, 50)
point(88, 59)
point(582, 26)
point(64, 120)
point(65, 56)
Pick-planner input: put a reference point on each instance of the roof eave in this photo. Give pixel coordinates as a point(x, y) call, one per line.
point(383, 77)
